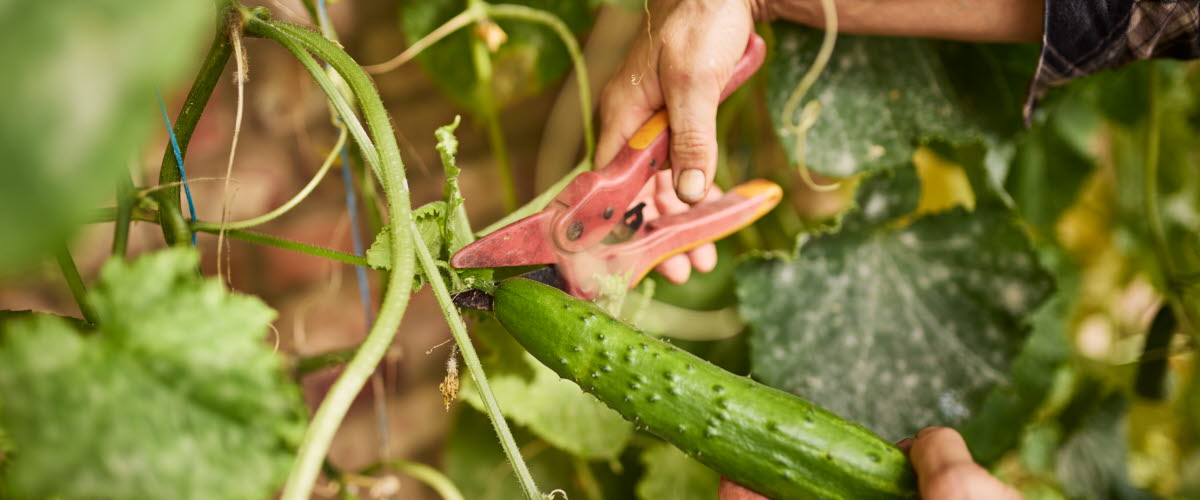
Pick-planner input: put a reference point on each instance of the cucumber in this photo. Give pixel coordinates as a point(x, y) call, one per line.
point(768, 440)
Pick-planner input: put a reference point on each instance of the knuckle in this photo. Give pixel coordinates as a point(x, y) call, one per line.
point(691, 148)
point(683, 72)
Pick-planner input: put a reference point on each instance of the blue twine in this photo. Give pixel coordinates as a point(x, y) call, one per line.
point(178, 158)
point(364, 292)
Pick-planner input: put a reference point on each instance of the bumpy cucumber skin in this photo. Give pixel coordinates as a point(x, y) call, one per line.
point(768, 440)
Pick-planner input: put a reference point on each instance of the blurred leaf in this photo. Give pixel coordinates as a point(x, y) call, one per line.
point(551, 407)
point(532, 58)
point(1051, 163)
point(881, 97)
point(998, 425)
point(895, 327)
point(476, 463)
point(79, 104)
point(672, 474)
point(1092, 462)
point(176, 396)
point(702, 291)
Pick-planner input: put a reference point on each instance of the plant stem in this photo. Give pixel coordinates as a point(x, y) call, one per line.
point(287, 244)
point(459, 330)
point(529, 14)
point(290, 204)
point(185, 123)
point(109, 214)
point(1150, 179)
point(1175, 296)
point(75, 283)
point(320, 361)
point(171, 219)
point(477, 11)
point(125, 199)
point(390, 169)
point(472, 14)
point(421, 472)
point(489, 112)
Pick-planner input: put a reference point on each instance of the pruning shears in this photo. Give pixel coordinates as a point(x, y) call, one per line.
point(591, 230)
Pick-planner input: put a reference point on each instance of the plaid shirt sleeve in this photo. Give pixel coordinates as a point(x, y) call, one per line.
point(1082, 37)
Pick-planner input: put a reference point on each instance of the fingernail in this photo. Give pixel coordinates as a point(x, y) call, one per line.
point(690, 185)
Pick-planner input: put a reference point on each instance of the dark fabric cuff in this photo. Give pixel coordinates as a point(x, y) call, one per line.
point(1082, 37)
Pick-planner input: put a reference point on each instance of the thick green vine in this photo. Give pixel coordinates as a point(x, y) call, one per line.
point(390, 170)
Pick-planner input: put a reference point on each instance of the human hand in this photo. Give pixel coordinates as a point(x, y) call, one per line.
point(944, 467)
point(683, 64)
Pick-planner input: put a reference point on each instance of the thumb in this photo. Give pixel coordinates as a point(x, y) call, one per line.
point(692, 91)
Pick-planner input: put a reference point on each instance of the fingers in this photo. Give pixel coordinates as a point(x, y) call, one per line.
point(678, 268)
point(704, 257)
point(692, 84)
point(729, 490)
point(629, 98)
point(696, 62)
point(937, 449)
point(946, 471)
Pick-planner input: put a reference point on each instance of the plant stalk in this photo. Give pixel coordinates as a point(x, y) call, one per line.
point(185, 124)
point(124, 214)
point(489, 112)
point(75, 283)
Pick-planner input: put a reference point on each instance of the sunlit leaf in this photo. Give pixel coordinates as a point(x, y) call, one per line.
point(895, 326)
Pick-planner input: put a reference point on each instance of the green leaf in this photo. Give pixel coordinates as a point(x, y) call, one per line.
point(429, 225)
point(456, 229)
point(672, 474)
point(1092, 462)
point(998, 425)
point(79, 87)
point(551, 407)
point(881, 97)
point(177, 395)
point(895, 326)
point(1050, 165)
point(475, 462)
point(532, 59)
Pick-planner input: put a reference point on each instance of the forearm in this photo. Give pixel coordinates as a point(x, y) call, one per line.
point(970, 20)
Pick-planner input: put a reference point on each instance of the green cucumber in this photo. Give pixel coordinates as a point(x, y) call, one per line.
point(768, 440)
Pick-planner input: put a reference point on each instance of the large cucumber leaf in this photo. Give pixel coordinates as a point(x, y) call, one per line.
point(79, 101)
point(881, 97)
point(895, 325)
point(177, 394)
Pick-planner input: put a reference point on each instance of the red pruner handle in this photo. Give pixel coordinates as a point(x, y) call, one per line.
point(671, 235)
point(608, 191)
